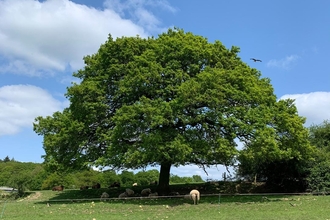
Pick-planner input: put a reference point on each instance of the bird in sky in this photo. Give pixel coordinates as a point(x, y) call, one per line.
point(255, 60)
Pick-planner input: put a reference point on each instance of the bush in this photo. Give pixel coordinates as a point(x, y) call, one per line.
point(319, 177)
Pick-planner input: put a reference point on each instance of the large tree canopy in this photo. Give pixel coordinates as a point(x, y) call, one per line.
point(172, 100)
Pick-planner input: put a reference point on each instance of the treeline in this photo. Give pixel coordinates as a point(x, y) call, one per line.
point(33, 176)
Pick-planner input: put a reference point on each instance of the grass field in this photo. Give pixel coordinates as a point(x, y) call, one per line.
point(34, 207)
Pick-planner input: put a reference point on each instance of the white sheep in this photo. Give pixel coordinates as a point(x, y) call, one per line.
point(129, 192)
point(194, 195)
point(145, 192)
point(134, 184)
point(153, 195)
point(123, 195)
point(104, 196)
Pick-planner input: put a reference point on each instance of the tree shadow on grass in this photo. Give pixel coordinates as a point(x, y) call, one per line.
point(93, 195)
point(211, 193)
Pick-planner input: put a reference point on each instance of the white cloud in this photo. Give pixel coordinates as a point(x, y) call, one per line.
point(21, 104)
point(43, 37)
point(314, 106)
point(285, 63)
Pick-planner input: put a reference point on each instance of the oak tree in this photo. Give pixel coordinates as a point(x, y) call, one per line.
point(170, 100)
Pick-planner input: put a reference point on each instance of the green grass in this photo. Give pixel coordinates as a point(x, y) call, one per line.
point(34, 207)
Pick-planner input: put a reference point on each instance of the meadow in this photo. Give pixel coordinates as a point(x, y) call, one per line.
point(58, 206)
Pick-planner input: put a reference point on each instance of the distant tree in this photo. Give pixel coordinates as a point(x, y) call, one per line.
point(6, 171)
point(175, 179)
point(23, 176)
point(178, 179)
point(86, 178)
point(6, 159)
point(142, 178)
point(187, 179)
point(37, 176)
point(197, 178)
point(146, 177)
point(172, 100)
point(109, 177)
point(56, 179)
point(127, 178)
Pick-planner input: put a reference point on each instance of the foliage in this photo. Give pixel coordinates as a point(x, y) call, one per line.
point(37, 177)
point(173, 100)
point(319, 136)
point(86, 178)
point(175, 179)
point(319, 172)
point(319, 177)
point(109, 177)
point(20, 182)
point(197, 179)
point(34, 176)
point(127, 178)
point(22, 175)
point(282, 154)
point(144, 178)
point(52, 180)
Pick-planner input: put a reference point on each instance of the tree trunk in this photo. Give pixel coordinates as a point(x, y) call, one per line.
point(164, 178)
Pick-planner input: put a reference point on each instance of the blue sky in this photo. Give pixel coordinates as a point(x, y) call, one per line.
point(43, 42)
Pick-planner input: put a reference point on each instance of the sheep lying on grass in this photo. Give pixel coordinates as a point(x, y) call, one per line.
point(104, 196)
point(123, 195)
point(194, 195)
point(153, 195)
point(129, 192)
point(145, 192)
